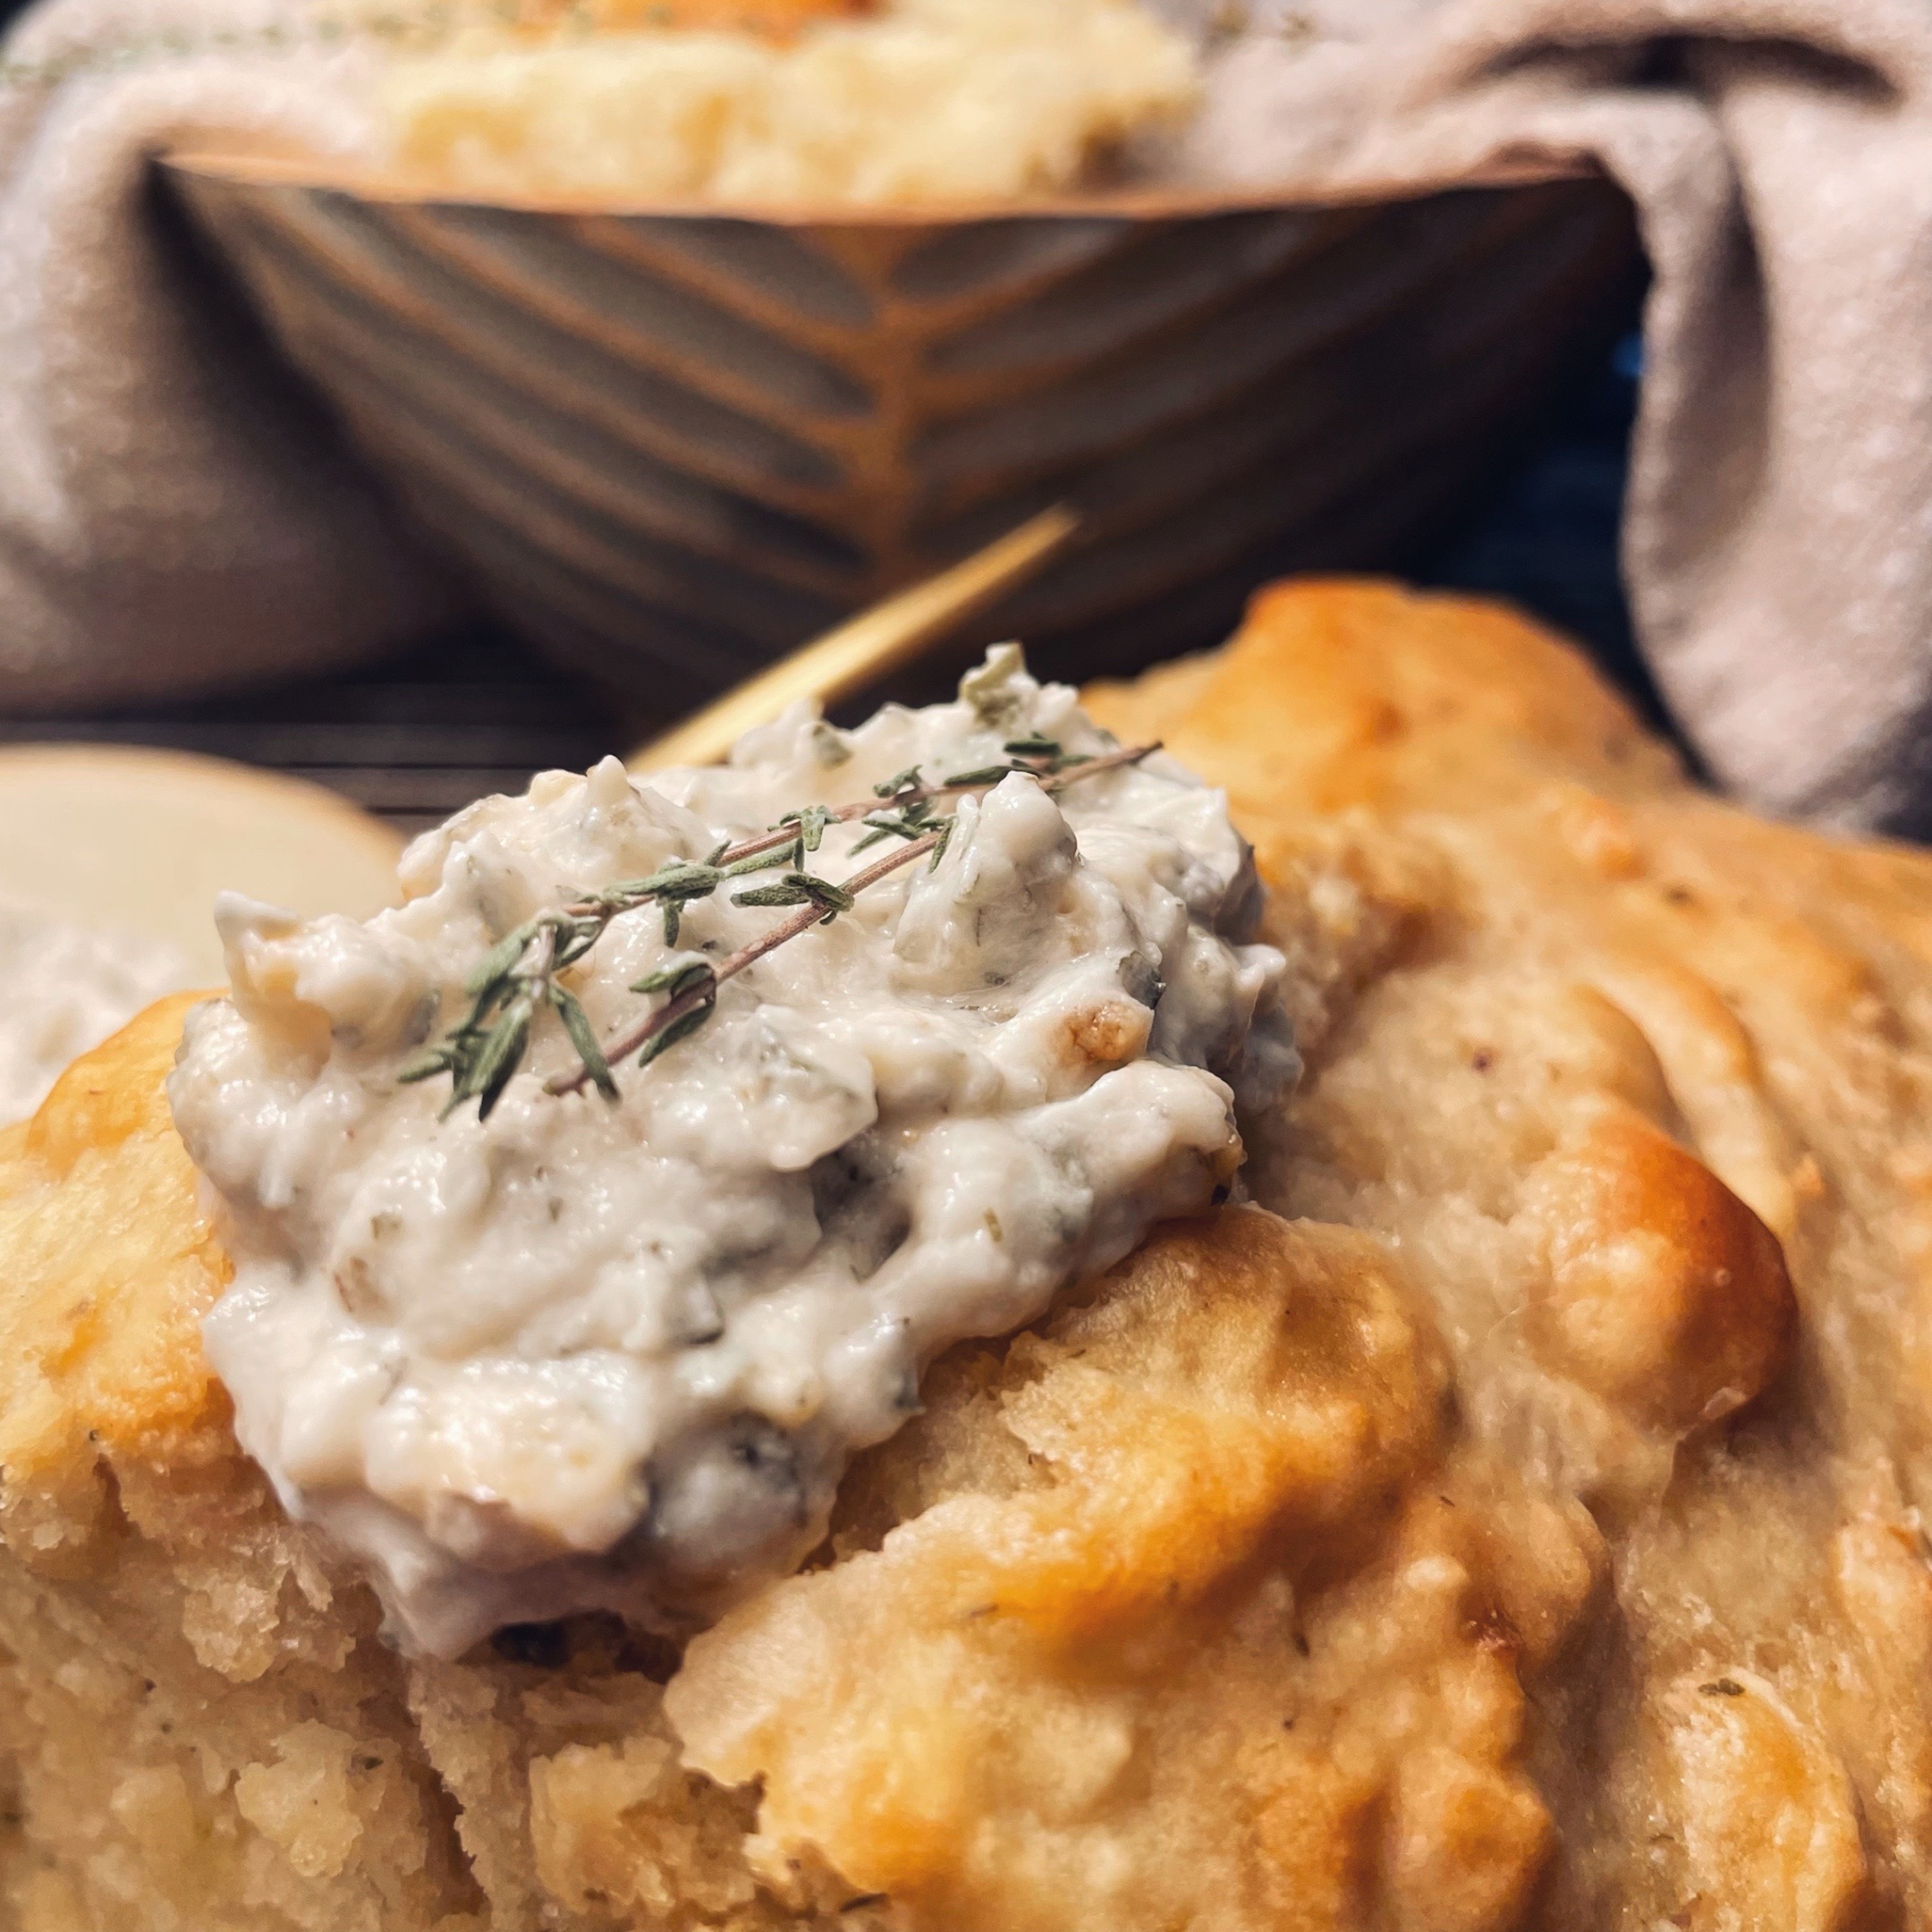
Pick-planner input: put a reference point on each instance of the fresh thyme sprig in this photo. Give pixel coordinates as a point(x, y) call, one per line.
point(684, 1012)
point(513, 980)
point(519, 978)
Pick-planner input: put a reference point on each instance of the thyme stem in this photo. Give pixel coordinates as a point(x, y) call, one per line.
point(667, 1015)
point(1092, 767)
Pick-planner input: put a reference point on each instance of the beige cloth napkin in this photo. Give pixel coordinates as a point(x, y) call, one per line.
point(164, 519)
point(1778, 531)
point(172, 515)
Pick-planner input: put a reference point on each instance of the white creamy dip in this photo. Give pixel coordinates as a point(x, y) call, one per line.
point(65, 987)
point(589, 1355)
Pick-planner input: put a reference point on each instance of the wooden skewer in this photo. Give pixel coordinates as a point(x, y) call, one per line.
point(864, 647)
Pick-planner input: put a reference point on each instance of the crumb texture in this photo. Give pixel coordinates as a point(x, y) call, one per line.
point(1511, 1519)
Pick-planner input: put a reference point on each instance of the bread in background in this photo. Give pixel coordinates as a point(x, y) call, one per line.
point(910, 102)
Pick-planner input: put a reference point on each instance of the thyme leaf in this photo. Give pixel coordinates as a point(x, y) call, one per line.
point(681, 975)
point(799, 888)
point(811, 823)
point(793, 855)
point(912, 822)
point(666, 1037)
point(583, 1039)
point(496, 965)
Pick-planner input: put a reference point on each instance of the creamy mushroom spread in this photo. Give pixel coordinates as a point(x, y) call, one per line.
point(593, 1354)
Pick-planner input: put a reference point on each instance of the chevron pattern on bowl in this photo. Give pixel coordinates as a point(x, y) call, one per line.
point(671, 446)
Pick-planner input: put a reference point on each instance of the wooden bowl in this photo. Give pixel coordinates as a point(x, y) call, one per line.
point(670, 446)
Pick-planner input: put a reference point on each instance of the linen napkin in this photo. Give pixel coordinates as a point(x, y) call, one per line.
point(172, 515)
point(1777, 541)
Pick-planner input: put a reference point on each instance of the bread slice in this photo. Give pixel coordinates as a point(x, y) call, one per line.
point(1511, 1519)
point(144, 839)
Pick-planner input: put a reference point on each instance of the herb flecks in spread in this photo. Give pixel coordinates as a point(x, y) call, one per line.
point(609, 1336)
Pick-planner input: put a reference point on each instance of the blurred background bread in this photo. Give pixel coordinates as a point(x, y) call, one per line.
point(803, 102)
point(110, 861)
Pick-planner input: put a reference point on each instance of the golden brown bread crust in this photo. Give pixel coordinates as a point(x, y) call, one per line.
point(1565, 951)
point(98, 1344)
point(1526, 1536)
point(1244, 1614)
